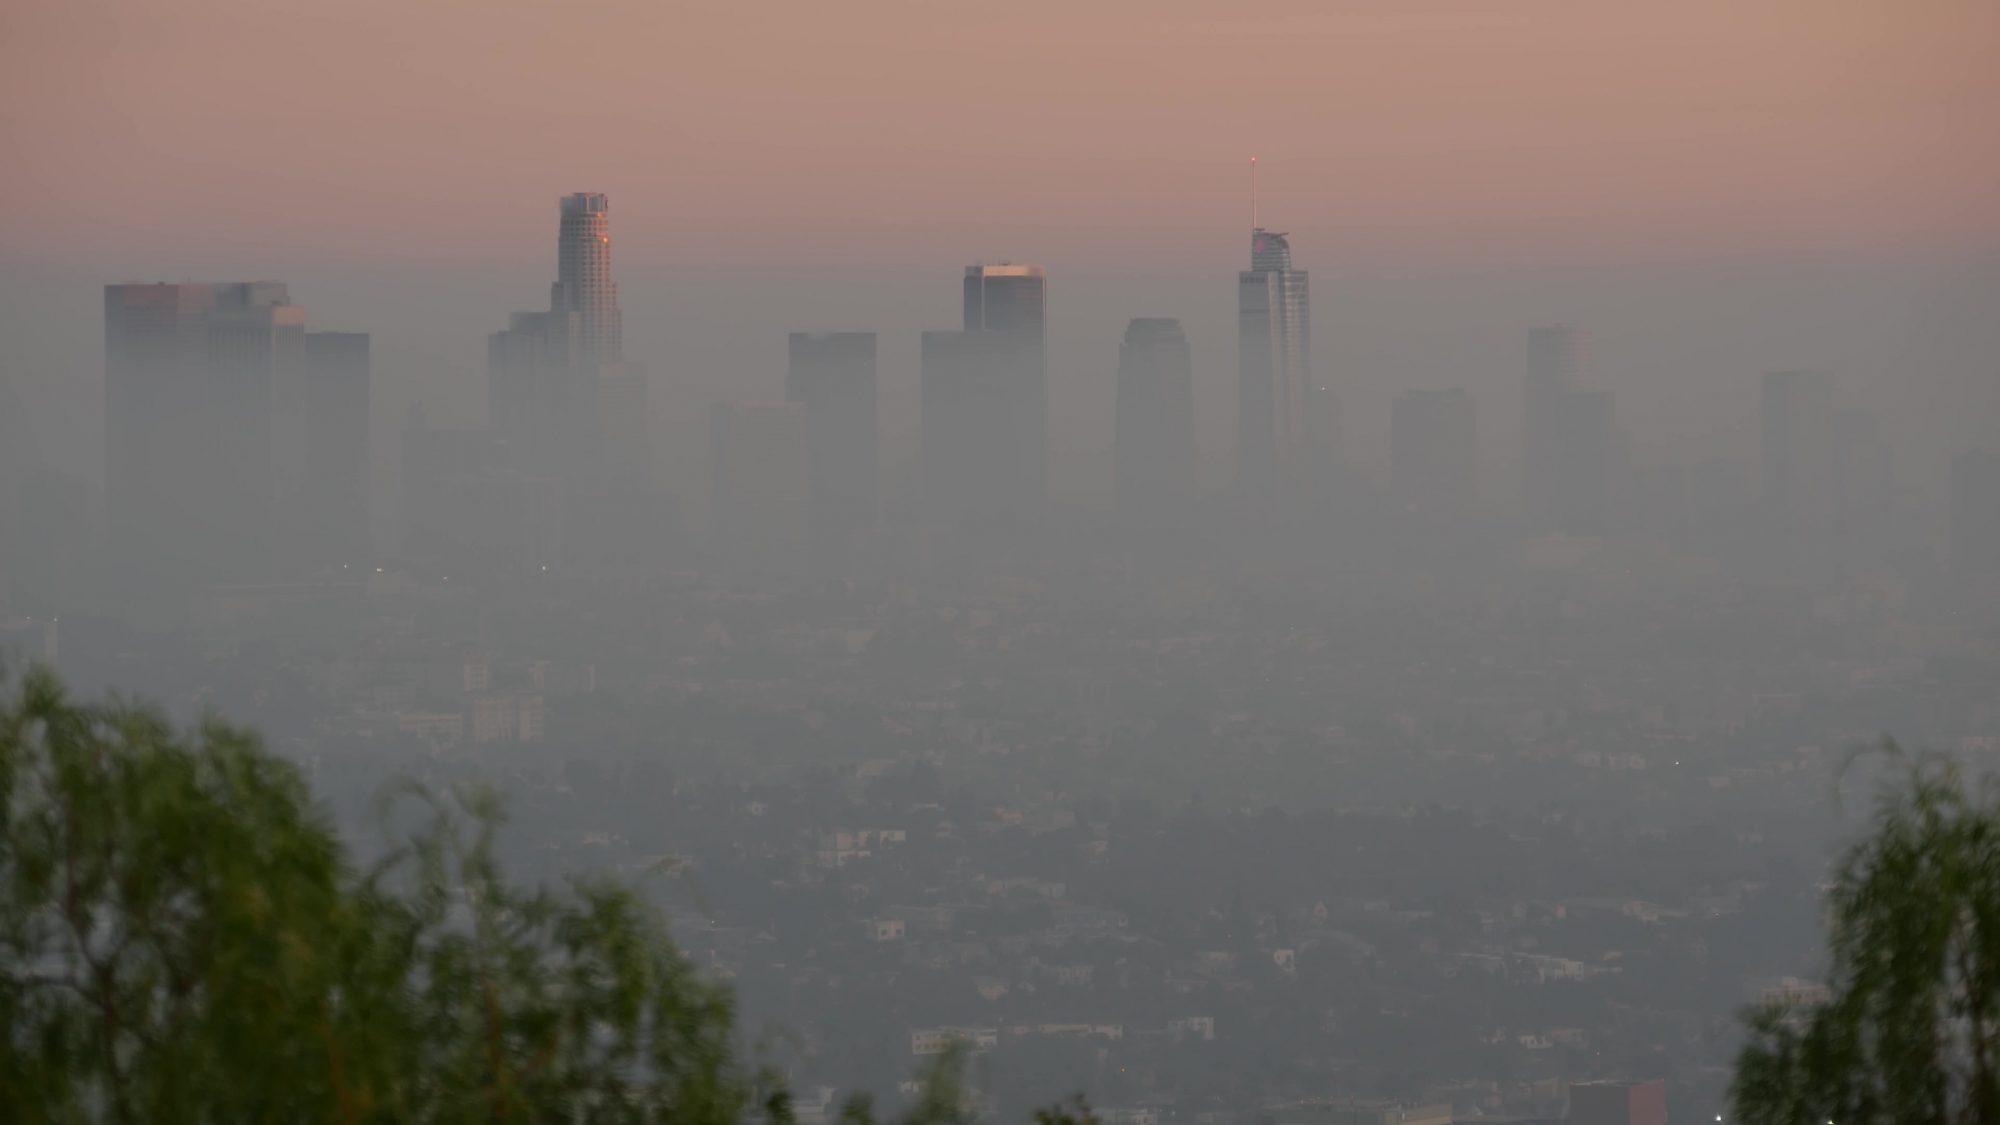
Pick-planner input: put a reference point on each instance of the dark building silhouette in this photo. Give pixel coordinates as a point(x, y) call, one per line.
point(832, 377)
point(1284, 419)
point(984, 402)
point(1154, 454)
point(1433, 466)
point(1007, 304)
point(203, 425)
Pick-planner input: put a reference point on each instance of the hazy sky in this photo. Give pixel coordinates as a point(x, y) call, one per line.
point(1451, 171)
point(164, 132)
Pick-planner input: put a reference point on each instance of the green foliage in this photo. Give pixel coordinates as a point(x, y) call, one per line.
point(183, 939)
point(1912, 1031)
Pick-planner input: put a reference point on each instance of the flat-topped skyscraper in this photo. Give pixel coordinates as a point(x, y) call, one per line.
point(203, 412)
point(1154, 453)
point(985, 394)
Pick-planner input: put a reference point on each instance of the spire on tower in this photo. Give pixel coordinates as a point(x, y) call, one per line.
point(1253, 193)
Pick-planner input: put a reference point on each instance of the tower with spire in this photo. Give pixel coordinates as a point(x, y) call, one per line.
point(1284, 416)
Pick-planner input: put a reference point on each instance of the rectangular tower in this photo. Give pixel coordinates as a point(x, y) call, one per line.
point(1008, 304)
point(832, 377)
point(1154, 451)
point(204, 416)
point(1284, 418)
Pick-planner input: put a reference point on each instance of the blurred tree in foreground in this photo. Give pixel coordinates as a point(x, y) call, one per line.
point(1912, 1030)
point(183, 939)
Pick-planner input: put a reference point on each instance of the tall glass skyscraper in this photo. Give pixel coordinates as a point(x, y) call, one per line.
point(583, 284)
point(562, 398)
point(1284, 414)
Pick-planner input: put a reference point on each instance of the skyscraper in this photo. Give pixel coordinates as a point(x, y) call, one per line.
point(204, 417)
point(1431, 451)
point(1008, 303)
point(583, 284)
point(1154, 454)
point(332, 516)
point(1284, 419)
point(1799, 450)
point(832, 376)
point(985, 402)
point(562, 398)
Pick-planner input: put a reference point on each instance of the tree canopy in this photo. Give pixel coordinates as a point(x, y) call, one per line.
point(1911, 1031)
point(183, 938)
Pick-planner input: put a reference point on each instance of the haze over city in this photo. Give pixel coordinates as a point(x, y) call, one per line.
point(1301, 564)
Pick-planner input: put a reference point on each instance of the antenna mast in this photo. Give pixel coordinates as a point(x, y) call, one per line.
point(1253, 193)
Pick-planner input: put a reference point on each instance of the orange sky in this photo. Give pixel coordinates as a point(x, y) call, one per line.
point(143, 135)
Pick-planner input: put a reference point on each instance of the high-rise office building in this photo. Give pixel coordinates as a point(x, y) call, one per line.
point(832, 377)
point(331, 519)
point(584, 284)
point(204, 416)
point(562, 399)
point(758, 478)
point(1154, 451)
point(1800, 452)
point(1431, 451)
point(1974, 505)
point(984, 401)
point(1284, 419)
point(1008, 304)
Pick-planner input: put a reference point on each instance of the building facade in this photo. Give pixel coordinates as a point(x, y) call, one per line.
point(831, 376)
point(1154, 444)
point(1285, 418)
